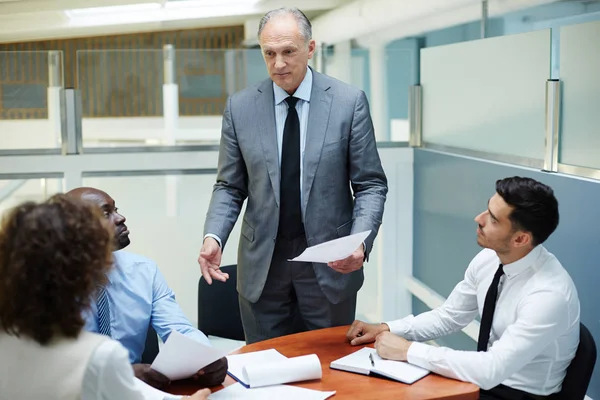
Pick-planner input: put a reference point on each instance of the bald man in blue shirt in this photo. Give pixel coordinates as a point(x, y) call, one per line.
point(136, 296)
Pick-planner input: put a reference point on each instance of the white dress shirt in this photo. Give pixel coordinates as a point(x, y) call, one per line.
point(109, 376)
point(535, 330)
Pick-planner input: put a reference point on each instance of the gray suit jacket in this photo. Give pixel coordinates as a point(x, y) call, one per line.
point(344, 186)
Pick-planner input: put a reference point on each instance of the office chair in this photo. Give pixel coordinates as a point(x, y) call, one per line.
point(218, 307)
point(151, 347)
point(579, 372)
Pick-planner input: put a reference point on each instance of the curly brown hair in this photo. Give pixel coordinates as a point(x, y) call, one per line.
point(52, 257)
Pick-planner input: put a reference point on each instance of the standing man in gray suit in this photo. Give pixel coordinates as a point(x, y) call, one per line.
point(300, 147)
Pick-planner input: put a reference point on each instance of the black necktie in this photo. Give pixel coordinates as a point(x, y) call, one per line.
point(290, 216)
point(488, 311)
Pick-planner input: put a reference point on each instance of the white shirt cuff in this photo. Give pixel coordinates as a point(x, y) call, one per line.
point(400, 327)
point(418, 354)
point(218, 239)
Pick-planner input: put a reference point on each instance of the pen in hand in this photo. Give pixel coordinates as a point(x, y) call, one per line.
point(371, 358)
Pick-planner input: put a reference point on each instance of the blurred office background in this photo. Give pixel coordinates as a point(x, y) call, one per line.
point(127, 96)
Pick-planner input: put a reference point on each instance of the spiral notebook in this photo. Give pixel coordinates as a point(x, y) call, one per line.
point(359, 362)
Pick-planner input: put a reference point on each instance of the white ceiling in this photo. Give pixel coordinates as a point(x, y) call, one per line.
point(26, 20)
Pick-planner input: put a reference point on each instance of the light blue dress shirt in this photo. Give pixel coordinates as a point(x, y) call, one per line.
point(139, 295)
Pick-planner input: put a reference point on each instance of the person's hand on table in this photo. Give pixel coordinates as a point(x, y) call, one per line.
point(213, 374)
point(199, 395)
point(362, 333)
point(210, 261)
point(392, 347)
point(153, 378)
point(351, 263)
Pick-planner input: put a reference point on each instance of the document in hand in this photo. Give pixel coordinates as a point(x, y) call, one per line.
point(360, 363)
point(334, 250)
point(181, 357)
point(269, 367)
point(287, 392)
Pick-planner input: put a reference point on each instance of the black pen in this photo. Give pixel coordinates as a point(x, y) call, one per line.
point(371, 358)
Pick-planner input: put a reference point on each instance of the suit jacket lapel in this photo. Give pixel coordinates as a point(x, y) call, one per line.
point(265, 112)
point(318, 120)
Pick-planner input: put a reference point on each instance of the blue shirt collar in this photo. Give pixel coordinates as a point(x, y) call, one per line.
point(303, 92)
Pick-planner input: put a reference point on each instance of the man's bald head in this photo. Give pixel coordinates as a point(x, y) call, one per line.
point(110, 211)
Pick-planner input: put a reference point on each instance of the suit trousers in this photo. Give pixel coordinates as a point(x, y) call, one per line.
point(292, 300)
point(502, 392)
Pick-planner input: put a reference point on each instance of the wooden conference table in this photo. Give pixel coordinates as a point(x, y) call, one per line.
point(331, 344)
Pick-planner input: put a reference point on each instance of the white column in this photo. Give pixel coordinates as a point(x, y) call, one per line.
point(171, 122)
point(55, 85)
point(378, 98)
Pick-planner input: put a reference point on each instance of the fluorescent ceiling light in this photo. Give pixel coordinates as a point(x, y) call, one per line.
point(208, 3)
point(155, 12)
point(101, 11)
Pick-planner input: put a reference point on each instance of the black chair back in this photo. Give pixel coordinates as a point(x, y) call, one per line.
point(579, 372)
point(218, 307)
point(151, 347)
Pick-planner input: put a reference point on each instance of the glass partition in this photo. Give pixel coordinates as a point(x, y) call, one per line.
point(121, 96)
point(15, 191)
point(30, 88)
point(488, 95)
point(579, 67)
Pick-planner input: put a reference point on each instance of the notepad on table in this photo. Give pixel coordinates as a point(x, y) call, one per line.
point(360, 363)
point(269, 367)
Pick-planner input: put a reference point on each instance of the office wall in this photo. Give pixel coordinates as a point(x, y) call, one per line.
point(451, 190)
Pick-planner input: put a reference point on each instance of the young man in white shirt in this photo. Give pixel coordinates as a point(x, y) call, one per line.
point(529, 329)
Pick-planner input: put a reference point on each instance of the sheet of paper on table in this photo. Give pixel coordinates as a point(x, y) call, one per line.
point(287, 392)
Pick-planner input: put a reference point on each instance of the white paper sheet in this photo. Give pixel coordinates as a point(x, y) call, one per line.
point(334, 250)
point(295, 369)
point(238, 392)
point(181, 357)
point(151, 393)
point(237, 362)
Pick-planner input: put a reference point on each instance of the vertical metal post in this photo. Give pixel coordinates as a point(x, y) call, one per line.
point(415, 116)
point(552, 125)
point(169, 64)
point(71, 133)
point(484, 18)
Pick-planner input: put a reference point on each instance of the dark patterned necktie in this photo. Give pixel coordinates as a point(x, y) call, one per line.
point(103, 312)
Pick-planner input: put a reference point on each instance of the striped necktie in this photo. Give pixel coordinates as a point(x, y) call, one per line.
point(103, 312)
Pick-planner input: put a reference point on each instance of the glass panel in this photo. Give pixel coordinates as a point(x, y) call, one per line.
point(165, 215)
point(205, 79)
point(579, 66)
point(30, 83)
point(384, 74)
point(122, 97)
point(488, 95)
point(15, 191)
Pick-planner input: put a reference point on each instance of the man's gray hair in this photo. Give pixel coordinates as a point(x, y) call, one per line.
point(303, 23)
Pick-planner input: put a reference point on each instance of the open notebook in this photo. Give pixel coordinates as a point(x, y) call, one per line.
point(360, 363)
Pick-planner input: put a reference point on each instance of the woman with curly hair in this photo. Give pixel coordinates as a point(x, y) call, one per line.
point(53, 257)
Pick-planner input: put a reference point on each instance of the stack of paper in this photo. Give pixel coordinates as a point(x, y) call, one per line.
point(269, 367)
point(238, 392)
point(181, 357)
point(359, 362)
